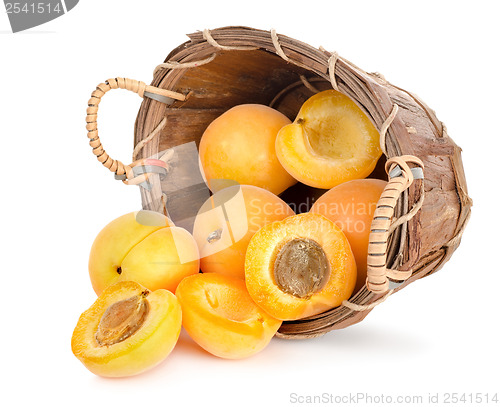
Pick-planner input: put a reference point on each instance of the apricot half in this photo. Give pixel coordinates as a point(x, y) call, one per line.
point(240, 145)
point(127, 330)
point(219, 315)
point(351, 206)
point(331, 141)
point(144, 247)
point(300, 266)
point(227, 221)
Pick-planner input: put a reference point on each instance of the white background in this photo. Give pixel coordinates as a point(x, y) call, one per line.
point(437, 336)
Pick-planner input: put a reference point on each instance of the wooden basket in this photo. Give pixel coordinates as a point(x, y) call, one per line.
point(423, 211)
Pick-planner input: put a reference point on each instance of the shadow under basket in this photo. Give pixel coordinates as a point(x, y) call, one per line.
point(423, 211)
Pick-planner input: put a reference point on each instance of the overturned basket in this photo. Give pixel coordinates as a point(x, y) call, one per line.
point(423, 210)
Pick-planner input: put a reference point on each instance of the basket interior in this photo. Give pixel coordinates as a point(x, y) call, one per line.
point(238, 77)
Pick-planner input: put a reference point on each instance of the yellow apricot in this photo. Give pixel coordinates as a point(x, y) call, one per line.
point(240, 146)
point(220, 316)
point(331, 141)
point(228, 220)
point(127, 330)
point(154, 254)
point(300, 266)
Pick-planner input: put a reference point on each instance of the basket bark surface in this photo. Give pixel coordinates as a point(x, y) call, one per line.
point(233, 76)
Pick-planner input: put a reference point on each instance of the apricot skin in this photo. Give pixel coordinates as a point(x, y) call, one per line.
point(144, 349)
point(263, 251)
point(331, 141)
point(351, 206)
point(262, 207)
point(220, 316)
point(240, 145)
point(157, 256)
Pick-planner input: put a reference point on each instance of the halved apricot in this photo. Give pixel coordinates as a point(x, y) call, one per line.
point(351, 207)
point(331, 141)
point(227, 221)
point(300, 266)
point(220, 316)
point(127, 330)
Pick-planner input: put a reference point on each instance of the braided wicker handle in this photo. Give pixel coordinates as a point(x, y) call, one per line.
point(93, 106)
point(383, 225)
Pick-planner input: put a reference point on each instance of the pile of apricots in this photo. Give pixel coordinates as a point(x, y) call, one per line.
point(250, 262)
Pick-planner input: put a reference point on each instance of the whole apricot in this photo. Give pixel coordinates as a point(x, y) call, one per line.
point(220, 316)
point(300, 266)
point(144, 247)
point(227, 221)
point(240, 145)
point(351, 206)
point(330, 142)
point(127, 330)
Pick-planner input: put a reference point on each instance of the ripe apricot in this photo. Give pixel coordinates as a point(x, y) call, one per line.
point(240, 145)
point(144, 247)
point(220, 316)
point(351, 206)
point(300, 266)
point(127, 330)
point(227, 221)
point(331, 141)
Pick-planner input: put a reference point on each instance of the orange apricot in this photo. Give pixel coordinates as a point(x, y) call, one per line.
point(220, 316)
point(127, 330)
point(331, 141)
point(239, 146)
point(351, 206)
point(300, 266)
point(227, 221)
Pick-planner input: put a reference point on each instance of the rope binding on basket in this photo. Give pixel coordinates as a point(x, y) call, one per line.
point(380, 278)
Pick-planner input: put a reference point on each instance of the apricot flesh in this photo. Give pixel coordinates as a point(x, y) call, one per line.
point(228, 220)
point(330, 142)
point(220, 316)
point(154, 254)
point(240, 145)
point(127, 330)
point(351, 206)
point(300, 266)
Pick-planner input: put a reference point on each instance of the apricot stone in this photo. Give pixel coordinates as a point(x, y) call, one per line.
point(127, 330)
point(240, 146)
point(219, 315)
point(331, 141)
point(300, 266)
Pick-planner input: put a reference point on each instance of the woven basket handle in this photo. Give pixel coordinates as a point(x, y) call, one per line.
point(123, 171)
point(378, 274)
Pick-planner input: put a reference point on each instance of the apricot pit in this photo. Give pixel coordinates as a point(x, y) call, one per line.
point(122, 319)
point(301, 268)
